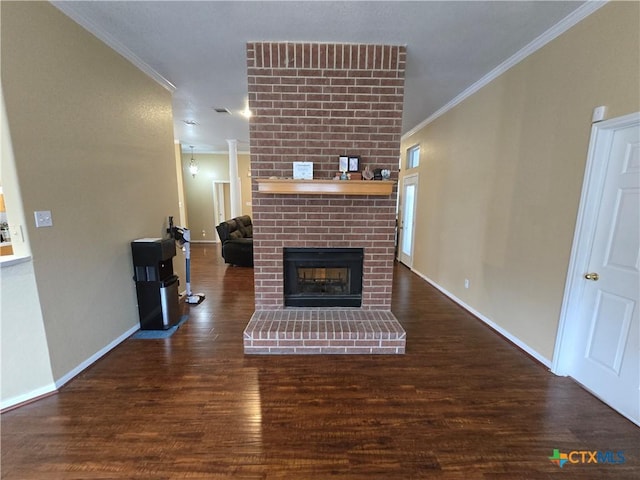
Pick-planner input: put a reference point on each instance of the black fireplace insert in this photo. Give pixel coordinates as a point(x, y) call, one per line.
point(323, 277)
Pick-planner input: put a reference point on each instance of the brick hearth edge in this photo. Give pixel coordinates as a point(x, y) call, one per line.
point(324, 331)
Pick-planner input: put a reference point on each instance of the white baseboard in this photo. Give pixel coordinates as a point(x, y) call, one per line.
point(53, 387)
point(27, 397)
point(516, 341)
point(96, 356)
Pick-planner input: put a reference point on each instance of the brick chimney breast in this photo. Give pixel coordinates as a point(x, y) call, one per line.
point(314, 102)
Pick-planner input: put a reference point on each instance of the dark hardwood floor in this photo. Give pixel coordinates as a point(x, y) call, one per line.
point(462, 403)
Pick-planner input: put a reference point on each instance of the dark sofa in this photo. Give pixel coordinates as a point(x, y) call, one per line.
point(236, 236)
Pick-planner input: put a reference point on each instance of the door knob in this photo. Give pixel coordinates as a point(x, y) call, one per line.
point(592, 276)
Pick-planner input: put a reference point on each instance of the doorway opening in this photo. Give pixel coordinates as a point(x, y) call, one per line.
point(221, 202)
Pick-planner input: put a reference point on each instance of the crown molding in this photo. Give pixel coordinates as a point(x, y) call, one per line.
point(552, 33)
point(69, 10)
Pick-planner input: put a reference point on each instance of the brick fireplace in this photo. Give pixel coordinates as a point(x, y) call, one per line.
point(314, 102)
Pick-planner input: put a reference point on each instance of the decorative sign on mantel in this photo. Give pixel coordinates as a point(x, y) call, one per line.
point(303, 170)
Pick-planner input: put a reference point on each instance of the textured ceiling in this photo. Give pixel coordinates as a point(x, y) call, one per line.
point(199, 47)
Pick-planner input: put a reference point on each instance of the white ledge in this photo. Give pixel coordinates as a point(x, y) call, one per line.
point(10, 260)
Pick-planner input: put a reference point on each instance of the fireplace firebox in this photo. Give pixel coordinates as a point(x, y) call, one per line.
point(323, 277)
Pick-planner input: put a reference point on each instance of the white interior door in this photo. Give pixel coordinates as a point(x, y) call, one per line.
point(407, 219)
point(602, 310)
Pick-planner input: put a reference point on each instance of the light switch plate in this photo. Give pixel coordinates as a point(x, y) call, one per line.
point(43, 218)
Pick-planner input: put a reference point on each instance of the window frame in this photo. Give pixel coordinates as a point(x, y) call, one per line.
point(413, 153)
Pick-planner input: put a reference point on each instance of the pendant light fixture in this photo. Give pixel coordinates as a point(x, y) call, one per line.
point(193, 166)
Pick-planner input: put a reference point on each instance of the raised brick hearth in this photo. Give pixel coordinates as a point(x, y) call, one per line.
point(323, 331)
point(314, 102)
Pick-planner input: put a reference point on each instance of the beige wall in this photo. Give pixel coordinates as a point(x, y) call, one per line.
point(182, 218)
point(25, 369)
point(213, 167)
point(93, 142)
point(501, 174)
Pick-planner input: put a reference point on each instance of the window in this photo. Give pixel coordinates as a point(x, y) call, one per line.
point(413, 156)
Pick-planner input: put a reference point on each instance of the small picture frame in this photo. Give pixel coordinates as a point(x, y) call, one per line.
point(344, 163)
point(354, 164)
point(303, 170)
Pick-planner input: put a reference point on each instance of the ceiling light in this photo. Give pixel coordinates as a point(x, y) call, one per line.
point(190, 122)
point(246, 112)
point(221, 110)
point(193, 166)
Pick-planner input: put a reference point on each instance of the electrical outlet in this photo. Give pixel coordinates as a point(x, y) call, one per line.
point(43, 218)
point(466, 283)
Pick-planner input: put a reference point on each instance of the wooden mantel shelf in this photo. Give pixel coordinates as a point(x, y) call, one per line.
point(288, 186)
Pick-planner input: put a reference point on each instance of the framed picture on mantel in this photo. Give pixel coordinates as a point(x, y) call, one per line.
point(344, 163)
point(354, 164)
point(303, 170)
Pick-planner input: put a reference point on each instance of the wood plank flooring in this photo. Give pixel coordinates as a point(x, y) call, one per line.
point(462, 403)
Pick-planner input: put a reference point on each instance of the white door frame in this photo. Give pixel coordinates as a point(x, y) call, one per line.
point(415, 178)
point(592, 189)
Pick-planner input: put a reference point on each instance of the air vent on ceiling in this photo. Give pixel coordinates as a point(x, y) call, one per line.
point(221, 110)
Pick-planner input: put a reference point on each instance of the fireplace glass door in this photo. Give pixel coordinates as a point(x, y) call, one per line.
point(333, 281)
point(323, 277)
